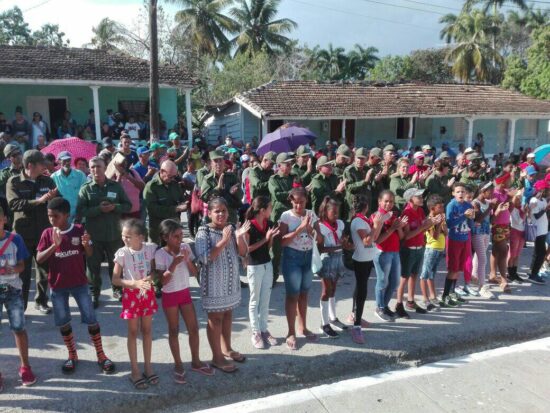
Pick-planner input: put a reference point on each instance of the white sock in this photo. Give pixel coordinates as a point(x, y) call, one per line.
point(332, 308)
point(324, 313)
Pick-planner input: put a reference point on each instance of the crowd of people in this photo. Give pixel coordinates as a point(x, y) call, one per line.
point(314, 211)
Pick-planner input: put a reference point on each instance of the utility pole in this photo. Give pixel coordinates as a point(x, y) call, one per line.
point(154, 122)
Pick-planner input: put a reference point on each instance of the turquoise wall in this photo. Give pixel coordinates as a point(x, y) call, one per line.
point(227, 122)
point(80, 101)
point(252, 126)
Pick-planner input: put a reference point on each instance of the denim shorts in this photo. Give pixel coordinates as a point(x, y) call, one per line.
point(432, 257)
point(296, 268)
point(12, 299)
point(61, 310)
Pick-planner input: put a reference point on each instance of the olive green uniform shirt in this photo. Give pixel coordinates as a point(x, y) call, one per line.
point(322, 186)
point(258, 179)
point(279, 188)
point(209, 190)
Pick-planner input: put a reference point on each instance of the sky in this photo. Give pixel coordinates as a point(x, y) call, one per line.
point(392, 26)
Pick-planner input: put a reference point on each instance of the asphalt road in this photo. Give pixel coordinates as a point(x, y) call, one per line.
point(478, 325)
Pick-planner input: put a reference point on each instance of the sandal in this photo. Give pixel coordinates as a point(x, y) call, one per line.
point(139, 384)
point(153, 379)
point(107, 366)
point(227, 368)
point(69, 366)
point(205, 370)
point(505, 288)
point(495, 280)
point(236, 356)
point(311, 337)
point(291, 343)
point(179, 377)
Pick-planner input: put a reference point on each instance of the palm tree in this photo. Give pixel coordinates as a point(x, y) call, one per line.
point(494, 4)
point(206, 25)
point(359, 61)
point(257, 29)
point(473, 53)
point(107, 35)
point(447, 32)
point(330, 63)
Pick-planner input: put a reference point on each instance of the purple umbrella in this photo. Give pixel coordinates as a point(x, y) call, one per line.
point(286, 138)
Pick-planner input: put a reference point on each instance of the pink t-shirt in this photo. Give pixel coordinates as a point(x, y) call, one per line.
point(504, 217)
point(136, 265)
point(132, 192)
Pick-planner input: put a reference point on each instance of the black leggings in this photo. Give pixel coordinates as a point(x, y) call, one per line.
point(362, 274)
point(538, 255)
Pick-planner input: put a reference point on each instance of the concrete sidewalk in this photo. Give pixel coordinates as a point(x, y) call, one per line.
point(478, 325)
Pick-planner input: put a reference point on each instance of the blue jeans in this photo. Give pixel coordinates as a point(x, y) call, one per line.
point(388, 271)
point(61, 310)
point(432, 257)
point(296, 270)
point(12, 299)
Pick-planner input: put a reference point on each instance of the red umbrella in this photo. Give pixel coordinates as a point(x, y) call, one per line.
point(77, 147)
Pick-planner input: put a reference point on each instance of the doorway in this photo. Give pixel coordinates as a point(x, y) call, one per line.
point(337, 131)
point(57, 108)
point(52, 109)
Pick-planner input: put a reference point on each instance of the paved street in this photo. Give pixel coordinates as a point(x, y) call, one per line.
point(479, 325)
point(507, 379)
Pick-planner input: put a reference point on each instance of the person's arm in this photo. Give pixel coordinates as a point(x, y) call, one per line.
point(383, 236)
point(276, 192)
point(256, 184)
point(287, 237)
point(135, 179)
point(351, 186)
point(452, 220)
point(17, 269)
point(18, 204)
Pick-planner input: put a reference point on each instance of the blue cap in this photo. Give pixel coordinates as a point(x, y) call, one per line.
point(64, 155)
point(142, 150)
point(530, 170)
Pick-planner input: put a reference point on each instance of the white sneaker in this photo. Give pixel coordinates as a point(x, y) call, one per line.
point(471, 291)
point(485, 292)
point(435, 303)
point(257, 340)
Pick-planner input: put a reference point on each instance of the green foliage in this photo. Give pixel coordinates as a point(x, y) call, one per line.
point(516, 70)
point(429, 65)
point(49, 35)
point(391, 69)
point(537, 80)
point(13, 28)
point(107, 35)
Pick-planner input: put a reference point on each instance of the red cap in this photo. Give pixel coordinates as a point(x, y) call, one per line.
point(540, 185)
point(502, 179)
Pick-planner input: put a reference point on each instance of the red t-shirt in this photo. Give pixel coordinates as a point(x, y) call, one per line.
point(416, 218)
point(390, 244)
point(66, 264)
point(415, 168)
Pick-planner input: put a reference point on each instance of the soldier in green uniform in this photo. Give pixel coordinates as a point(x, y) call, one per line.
point(164, 199)
point(389, 160)
point(13, 153)
point(182, 154)
point(280, 186)
point(101, 202)
point(303, 167)
point(258, 177)
point(378, 181)
point(401, 181)
point(440, 182)
point(221, 183)
point(342, 161)
point(325, 183)
point(357, 180)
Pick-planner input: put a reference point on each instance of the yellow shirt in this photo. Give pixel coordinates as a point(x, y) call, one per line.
point(436, 244)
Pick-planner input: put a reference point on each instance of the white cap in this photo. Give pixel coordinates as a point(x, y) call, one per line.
point(531, 155)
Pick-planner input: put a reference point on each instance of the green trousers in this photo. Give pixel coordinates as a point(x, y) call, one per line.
point(103, 250)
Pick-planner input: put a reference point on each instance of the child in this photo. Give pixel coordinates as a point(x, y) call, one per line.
point(435, 249)
point(363, 236)
point(133, 271)
point(481, 236)
point(386, 261)
point(218, 247)
point(539, 206)
point(62, 247)
point(330, 228)
point(468, 265)
point(174, 264)
point(13, 254)
point(412, 250)
point(457, 213)
point(517, 236)
point(259, 270)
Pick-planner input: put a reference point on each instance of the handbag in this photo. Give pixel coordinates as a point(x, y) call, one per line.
point(316, 262)
point(530, 231)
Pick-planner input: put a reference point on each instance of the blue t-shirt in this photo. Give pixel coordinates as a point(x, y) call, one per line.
point(458, 225)
point(16, 251)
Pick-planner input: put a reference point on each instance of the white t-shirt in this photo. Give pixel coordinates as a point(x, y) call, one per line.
point(136, 265)
point(361, 253)
point(180, 276)
point(133, 130)
point(328, 236)
point(536, 205)
point(302, 242)
point(516, 221)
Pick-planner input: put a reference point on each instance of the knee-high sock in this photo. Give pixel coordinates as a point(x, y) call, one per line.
point(324, 312)
point(68, 338)
point(332, 308)
point(95, 335)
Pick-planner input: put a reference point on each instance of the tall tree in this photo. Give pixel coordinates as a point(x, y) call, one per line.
point(13, 28)
point(107, 35)
point(450, 22)
point(391, 69)
point(360, 60)
point(258, 29)
point(330, 63)
point(49, 35)
point(204, 22)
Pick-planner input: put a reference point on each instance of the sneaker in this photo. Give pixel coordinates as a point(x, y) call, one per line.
point(117, 295)
point(338, 324)
point(257, 340)
point(390, 312)
point(448, 302)
point(69, 366)
point(43, 308)
point(357, 335)
point(471, 291)
point(435, 303)
point(412, 306)
point(461, 291)
point(515, 279)
point(351, 320)
point(458, 298)
point(430, 307)
point(400, 311)
point(27, 376)
point(381, 314)
point(268, 338)
point(536, 279)
point(485, 292)
point(329, 332)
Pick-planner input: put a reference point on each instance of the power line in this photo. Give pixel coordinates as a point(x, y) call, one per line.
point(405, 7)
point(362, 15)
point(35, 6)
point(433, 5)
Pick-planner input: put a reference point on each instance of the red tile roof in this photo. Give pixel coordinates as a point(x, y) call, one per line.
point(77, 64)
point(311, 99)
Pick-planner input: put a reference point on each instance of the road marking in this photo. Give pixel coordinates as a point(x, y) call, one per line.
point(344, 386)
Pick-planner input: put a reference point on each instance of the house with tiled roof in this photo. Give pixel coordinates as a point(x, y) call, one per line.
point(50, 80)
point(409, 114)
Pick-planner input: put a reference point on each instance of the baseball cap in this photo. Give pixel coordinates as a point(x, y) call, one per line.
point(376, 152)
point(11, 149)
point(216, 154)
point(302, 151)
point(270, 156)
point(361, 153)
point(323, 161)
point(444, 155)
point(419, 155)
point(531, 155)
point(284, 158)
point(107, 142)
point(530, 170)
point(156, 145)
point(143, 150)
point(344, 150)
point(389, 148)
point(64, 155)
point(245, 158)
point(173, 136)
point(409, 193)
point(540, 185)
point(426, 148)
